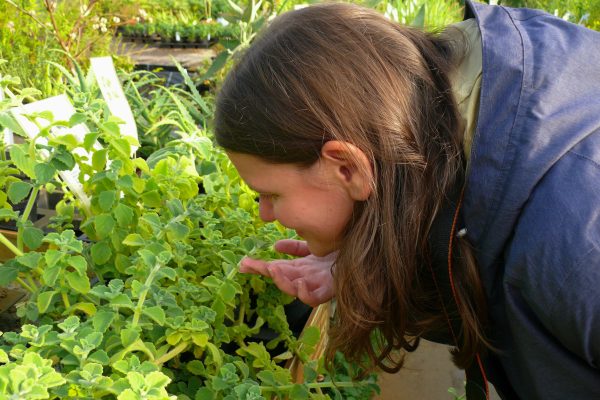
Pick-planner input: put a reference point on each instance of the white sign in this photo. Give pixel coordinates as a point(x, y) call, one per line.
point(110, 87)
point(62, 110)
point(8, 137)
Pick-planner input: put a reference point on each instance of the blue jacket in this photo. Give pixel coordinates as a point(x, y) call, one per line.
point(532, 202)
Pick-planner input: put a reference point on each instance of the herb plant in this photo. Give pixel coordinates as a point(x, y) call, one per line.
point(145, 301)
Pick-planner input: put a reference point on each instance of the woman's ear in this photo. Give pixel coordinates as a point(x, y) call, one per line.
point(350, 166)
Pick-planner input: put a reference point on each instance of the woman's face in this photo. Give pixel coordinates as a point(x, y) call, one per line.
point(308, 200)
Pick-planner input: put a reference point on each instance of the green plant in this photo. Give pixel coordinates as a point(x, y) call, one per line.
point(29, 29)
point(583, 12)
point(150, 304)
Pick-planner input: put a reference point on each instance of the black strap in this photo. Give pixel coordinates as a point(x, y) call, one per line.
point(439, 239)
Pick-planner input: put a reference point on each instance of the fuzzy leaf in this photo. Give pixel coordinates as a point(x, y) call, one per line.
point(134, 239)
point(102, 320)
point(156, 313)
point(101, 253)
point(79, 283)
point(99, 159)
point(128, 336)
point(44, 173)
point(8, 275)
point(32, 237)
point(22, 160)
point(123, 214)
point(44, 300)
point(106, 199)
point(104, 224)
point(17, 191)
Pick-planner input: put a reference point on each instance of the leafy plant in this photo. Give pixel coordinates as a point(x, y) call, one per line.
point(148, 303)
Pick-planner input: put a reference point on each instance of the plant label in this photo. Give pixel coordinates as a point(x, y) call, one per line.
point(62, 110)
point(7, 135)
point(110, 87)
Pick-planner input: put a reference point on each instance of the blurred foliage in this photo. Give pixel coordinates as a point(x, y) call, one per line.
point(583, 12)
point(30, 30)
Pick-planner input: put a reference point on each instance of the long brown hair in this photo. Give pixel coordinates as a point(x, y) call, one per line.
point(338, 71)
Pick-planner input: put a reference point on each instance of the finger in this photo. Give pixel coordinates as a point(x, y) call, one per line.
point(305, 295)
point(319, 295)
point(292, 247)
point(252, 266)
point(282, 281)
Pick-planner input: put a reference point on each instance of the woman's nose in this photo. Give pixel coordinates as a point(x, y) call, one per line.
point(265, 209)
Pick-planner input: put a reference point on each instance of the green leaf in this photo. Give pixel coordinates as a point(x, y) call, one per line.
point(68, 140)
point(32, 237)
point(299, 392)
point(167, 272)
point(419, 20)
point(8, 275)
point(310, 375)
point(22, 160)
point(102, 320)
point(44, 300)
point(196, 367)
point(104, 224)
point(128, 394)
point(152, 199)
point(99, 356)
point(177, 231)
point(63, 160)
point(156, 313)
point(17, 191)
point(8, 214)
point(157, 380)
point(51, 274)
point(52, 257)
point(128, 336)
point(200, 339)
point(106, 200)
point(4, 357)
point(205, 393)
point(79, 263)
point(79, 283)
point(89, 140)
point(229, 257)
point(217, 64)
point(99, 159)
point(121, 300)
point(310, 336)
point(101, 253)
point(123, 214)
point(30, 260)
point(88, 308)
point(227, 292)
point(267, 377)
point(44, 172)
point(134, 239)
point(77, 118)
point(122, 147)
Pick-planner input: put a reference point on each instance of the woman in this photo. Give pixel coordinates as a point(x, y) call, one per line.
point(447, 186)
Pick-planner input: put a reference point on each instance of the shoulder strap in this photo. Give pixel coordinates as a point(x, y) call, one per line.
point(441, 241)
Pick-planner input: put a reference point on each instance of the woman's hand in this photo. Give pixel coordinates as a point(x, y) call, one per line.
point(307, 278)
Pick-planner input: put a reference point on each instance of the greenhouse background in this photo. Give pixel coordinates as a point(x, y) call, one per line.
point(122, 224)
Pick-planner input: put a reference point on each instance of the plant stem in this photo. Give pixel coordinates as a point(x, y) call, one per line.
point(181, 347)
point(65, 299)
point(25, 285)
point(316, 385)
point(32, 282)
point(138, 308)
point(27, 12)
point(4, 240)
point(25, 215)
